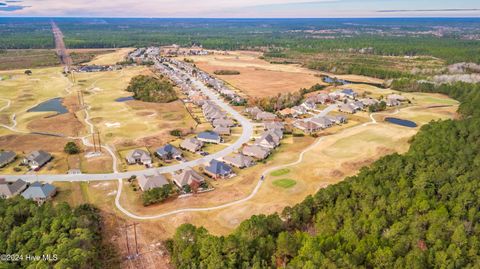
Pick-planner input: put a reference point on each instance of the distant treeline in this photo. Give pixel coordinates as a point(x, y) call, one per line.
point(246, 34)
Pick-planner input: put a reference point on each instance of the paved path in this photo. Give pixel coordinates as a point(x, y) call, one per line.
point(247, 132)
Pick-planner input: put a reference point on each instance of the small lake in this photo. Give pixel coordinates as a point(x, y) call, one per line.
point(52, 105)
point(124, 99)
point(405, 123)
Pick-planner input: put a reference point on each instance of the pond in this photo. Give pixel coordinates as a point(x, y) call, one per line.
point(124, 99)
point(401, 122)
point(54, 105)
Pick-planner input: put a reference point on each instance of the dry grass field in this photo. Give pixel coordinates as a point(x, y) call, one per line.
point(257, 78)
point(131, 123)
point(115, 56)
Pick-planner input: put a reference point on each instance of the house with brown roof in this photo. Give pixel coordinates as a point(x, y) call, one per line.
point(253, 111)
point(189, 177)
point(239, 160)
point(306, 126)
point(191, 144)
point(255, 151)
point(223, 122)
point(222, 130)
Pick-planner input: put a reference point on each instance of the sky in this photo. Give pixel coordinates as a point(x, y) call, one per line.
point(240, 8)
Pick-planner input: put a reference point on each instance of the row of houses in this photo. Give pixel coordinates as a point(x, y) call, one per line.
point(315, 124)
point(34, 160)
point(36, 191)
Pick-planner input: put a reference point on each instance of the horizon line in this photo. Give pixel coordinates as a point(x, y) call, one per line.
point(247, 18)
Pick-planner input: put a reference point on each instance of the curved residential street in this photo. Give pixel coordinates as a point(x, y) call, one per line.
point(247, 133)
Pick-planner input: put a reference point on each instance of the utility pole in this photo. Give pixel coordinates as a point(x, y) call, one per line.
point(99, 142)
point(94, 145)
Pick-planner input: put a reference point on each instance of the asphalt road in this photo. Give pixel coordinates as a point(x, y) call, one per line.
point(247, 133)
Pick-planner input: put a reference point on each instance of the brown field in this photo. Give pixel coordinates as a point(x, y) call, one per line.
point(258, 78)
point(28, 58)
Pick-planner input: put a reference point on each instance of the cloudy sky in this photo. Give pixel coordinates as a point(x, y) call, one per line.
point(241, 8)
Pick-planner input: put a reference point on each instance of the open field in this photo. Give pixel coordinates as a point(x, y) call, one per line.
point(27, 59)
point(114, 56)
point(131, 123)
point(257, 78)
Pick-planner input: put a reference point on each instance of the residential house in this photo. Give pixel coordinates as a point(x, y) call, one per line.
point(7, 157)
point(347, 108)
point(10, 189)
point(287, 112)
point(277, 133)
point(339, 119)
point(349, 93)
point(239, 160)
point(357, 105)
point(223, 122)
point(217, 169)
point(255, 151)
point(266, 116)
point(39, 192)
point(209, 137)
point(139, 156)
point(36, 159)
point(323, 98)
point(307, 126)
point(268, 140)
point(393, 102)
point(189, 177)
point(397, 97)
point(168, 152)
point(148, 182)
point(369, 101)
point(299, 110)
point(308, 105)
point(191, 144)
point(323, 122)
point(275, 125)
point(222, 130)
point(253, 111)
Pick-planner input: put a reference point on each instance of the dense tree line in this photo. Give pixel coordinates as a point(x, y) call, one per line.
point(151, 89)
point(71, 236)
point(417, 210)
point(283, 100)
point(156, 195)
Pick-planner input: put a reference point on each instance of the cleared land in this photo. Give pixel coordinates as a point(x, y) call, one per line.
point(25, 59)
point(257, 78)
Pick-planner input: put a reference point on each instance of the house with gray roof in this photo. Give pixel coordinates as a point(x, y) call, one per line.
point(191, 144)
point(255, 151)
point(323, 122)
point(222, 130)
point(239, 160)
point(10, 189)
point(268, 140)
point(217, 169)
point(266, 116)
point(187, 176)
point(39, 192)
point(139, 156)
point(168, 152)
point(209, 137)
point(223, 122)
point(148, 182)
point(253, 111)
point(274, 125)
point(7, 157)
point(307, 126)
point(36, 159)
point(347, 108)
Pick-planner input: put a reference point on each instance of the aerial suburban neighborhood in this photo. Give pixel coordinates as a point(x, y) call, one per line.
point(242, 142)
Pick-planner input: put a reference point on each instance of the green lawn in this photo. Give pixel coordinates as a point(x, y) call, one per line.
point(284, 183)
point(280, 172)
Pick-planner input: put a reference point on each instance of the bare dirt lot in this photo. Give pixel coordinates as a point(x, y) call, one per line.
point(258, 78)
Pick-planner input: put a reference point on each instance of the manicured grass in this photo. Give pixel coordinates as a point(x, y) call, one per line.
point(284, 183)
point(280, 172)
